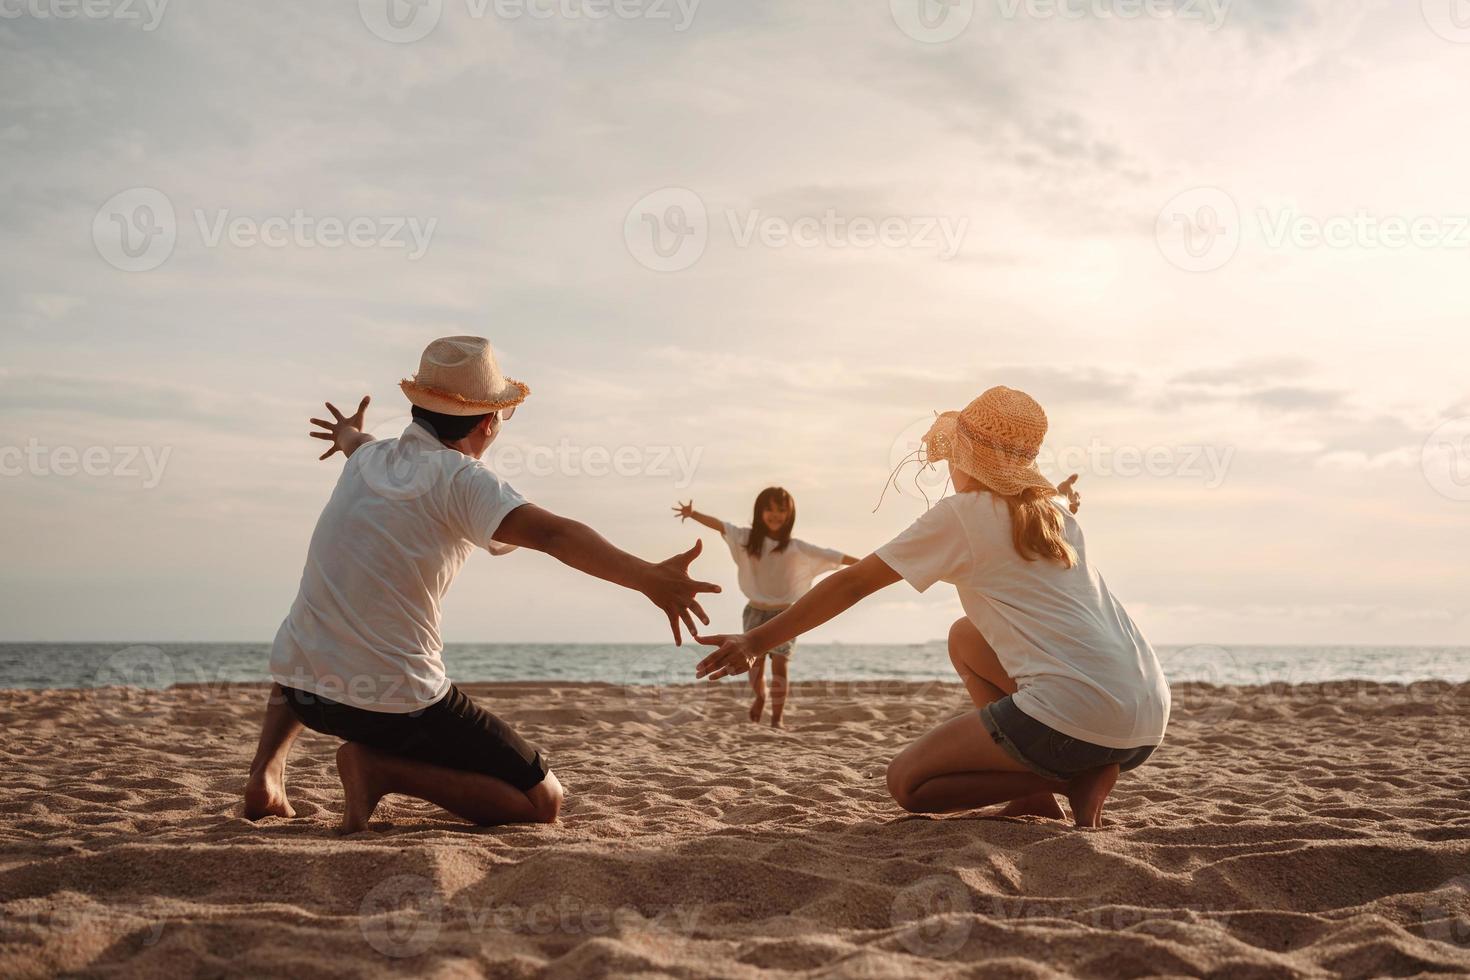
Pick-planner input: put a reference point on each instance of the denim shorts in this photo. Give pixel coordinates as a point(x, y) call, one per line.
point(753, 617)
point(1046, 751)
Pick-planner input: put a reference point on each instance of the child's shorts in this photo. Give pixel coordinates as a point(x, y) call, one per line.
point(1046, 751)
point(754, 617)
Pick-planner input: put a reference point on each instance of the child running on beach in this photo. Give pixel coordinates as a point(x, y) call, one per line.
point(1068, 691)
point(775, 570)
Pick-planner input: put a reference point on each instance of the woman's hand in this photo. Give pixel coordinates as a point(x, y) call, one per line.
point(734, 656)
point(685, 511)
point(1064, 489)
point(343, 433)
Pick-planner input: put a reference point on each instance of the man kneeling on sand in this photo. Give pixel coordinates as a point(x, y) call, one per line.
point(359, 655)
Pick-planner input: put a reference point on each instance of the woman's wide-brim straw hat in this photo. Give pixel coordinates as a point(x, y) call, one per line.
point(459, 376)
point(996, 439)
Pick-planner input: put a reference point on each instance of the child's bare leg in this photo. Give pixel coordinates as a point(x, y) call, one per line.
point(975, 661)
point(758, 688)
point(369, 775)
point(779, 686)
point(265, 791)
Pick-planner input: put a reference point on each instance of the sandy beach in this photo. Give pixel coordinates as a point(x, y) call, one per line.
point(1295, 831)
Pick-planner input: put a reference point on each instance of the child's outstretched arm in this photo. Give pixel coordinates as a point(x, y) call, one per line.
point(827, 599)
point(687, 511)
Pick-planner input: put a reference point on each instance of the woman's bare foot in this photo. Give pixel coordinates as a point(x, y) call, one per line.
point(265, 796)
point(1088, 792)
point(360, 788)
point(1036, 805)
point(757, 708)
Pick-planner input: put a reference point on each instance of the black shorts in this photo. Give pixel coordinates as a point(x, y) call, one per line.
point(454, 732)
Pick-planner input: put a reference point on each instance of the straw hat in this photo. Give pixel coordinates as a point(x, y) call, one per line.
point(459, 376)
point(995, 439)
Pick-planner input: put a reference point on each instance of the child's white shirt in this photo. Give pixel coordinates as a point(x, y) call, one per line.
point(777, 578)
point(1081, 665)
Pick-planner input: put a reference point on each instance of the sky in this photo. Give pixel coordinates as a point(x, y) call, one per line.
point(732, 244)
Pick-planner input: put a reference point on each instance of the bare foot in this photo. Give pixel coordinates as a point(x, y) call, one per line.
point(1036, 805)
point(360, 788)
point(757, 708)
point(265, 796)
point(776, 721)
point(1088, 792)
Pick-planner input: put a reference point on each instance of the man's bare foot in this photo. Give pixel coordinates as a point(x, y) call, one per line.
point(1036, 805)
point(757, 708)
point(1088, 792)
point(265, 796)
point(360, 789)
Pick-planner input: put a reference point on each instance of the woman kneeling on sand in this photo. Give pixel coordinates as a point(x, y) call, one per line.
point(1069, 692)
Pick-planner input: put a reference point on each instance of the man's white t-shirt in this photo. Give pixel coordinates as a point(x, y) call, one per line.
point(404, 516)
point(777, 578)
point(1081, 665)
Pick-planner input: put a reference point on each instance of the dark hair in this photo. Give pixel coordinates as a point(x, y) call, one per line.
point(764, 499)
point(449, 428)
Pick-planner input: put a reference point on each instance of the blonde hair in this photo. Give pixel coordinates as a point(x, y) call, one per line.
point(1036, 527)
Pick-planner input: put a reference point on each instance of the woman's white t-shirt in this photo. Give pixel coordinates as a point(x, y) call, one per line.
point(405, 515)
point(1081, 665)
point(777, 578)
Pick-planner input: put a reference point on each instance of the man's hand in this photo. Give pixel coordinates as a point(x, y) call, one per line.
point(669, 587)
point(734, 656)
point(345, 433)
point(1064, 489)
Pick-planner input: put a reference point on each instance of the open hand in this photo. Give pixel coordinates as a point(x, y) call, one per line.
point(671, 589)
point(734, 656)
point(1064, 489)
point(685, 511)
point(343, 426)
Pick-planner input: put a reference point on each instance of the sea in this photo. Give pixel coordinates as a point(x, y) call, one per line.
point(161, 665)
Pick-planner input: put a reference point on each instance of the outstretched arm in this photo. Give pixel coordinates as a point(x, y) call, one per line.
point(829, 598)
point(345, 433)
point(666, 584)
point(687, 512)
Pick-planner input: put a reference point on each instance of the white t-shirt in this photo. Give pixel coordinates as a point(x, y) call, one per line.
point(777, 578)
point(1081, 665)
point(405, 515)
